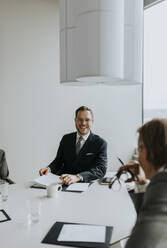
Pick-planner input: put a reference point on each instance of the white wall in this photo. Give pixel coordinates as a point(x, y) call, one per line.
point(155, 57)
point(35, 110)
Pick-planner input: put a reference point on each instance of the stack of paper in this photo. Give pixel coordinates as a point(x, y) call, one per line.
point(47, 180)
point(78, 187)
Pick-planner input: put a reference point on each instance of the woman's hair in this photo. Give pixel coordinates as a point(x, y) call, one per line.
point(153, 135)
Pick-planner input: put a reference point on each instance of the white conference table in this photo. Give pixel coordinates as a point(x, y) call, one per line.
point(99, 205)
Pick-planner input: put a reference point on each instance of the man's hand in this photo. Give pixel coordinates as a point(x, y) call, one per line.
point(139, 175)
point(44, 171)
point(69, 179)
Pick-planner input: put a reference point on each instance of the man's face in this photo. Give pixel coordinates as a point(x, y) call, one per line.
point(83, 122)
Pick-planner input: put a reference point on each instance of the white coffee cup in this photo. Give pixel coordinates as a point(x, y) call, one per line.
point(53, 189)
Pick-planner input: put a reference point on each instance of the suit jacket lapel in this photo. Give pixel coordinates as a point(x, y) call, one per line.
point(73, 144)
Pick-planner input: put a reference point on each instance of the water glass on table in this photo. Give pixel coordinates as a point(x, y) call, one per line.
point(33, 209)
point(4, 190)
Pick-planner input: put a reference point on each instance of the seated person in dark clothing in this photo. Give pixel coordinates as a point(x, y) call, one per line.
point(82, 155)
point(4, 172)
point(150, 230)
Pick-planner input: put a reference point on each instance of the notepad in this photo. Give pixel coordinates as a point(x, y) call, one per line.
point(78, 187)
point(4, 216)
point(79, 235)
point(82, 233)
point(47, 180)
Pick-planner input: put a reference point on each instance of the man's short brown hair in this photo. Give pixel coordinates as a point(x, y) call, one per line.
point(83, 108)
point(153, 136)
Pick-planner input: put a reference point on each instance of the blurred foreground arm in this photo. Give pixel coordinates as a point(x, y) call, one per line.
point(138, 173)
point(140, 183)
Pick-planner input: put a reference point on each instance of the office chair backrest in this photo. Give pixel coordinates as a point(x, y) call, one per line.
point(4, 171)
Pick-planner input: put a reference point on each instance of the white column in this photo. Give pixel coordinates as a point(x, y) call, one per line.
point(68, 26)
point(133, 42)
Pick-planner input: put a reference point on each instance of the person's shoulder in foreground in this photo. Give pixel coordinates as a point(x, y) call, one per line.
point(150, 228)
point(152, 219)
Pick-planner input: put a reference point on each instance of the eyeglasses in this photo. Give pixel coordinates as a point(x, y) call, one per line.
point(116, 178)
point(83, 120)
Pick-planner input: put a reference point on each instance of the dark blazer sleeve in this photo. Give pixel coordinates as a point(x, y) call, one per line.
point(150, 228)
point(57, 163)
point(4, 172)
point(99, 167)
point(137, 199)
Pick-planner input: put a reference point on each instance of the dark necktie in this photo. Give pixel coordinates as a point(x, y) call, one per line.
point(78, 145)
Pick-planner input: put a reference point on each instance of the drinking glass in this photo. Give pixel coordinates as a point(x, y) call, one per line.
point(33, 209)
point(4, 190)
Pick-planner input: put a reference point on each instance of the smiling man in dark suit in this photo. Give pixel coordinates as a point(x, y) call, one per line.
point(82, 155)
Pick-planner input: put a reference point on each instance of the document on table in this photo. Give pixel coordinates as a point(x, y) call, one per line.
point(78, 187)
point(79, 235)
point(46, 180)
point(82, 233)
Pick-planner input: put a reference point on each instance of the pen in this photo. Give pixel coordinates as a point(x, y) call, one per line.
point(120, 161)
point(119, 173)
point(114, 179)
